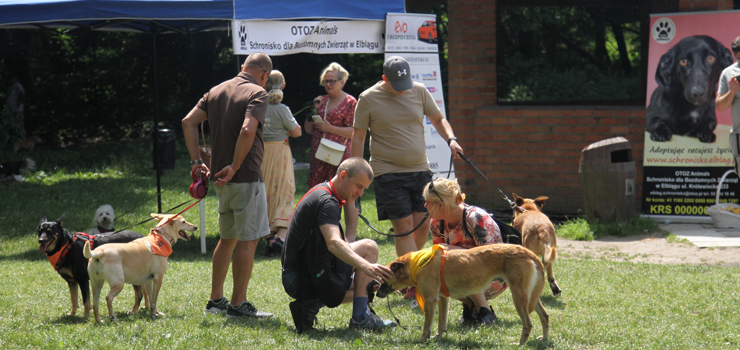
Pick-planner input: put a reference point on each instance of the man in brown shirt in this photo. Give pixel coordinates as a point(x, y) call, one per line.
point(235, 110)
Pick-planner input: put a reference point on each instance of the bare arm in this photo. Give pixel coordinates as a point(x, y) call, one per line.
point(343, 131)
point(341, 249)
point(358, 143)
point(190, 132)
point(445, 130)
point(724, 101)
point(296, 132)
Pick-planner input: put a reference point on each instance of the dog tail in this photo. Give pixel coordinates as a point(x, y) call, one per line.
point(89, 253)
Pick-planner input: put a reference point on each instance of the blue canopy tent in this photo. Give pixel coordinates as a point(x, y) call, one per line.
point(176, 16)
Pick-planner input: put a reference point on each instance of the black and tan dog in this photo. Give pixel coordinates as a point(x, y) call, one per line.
point(64, 251)
point(469, 271)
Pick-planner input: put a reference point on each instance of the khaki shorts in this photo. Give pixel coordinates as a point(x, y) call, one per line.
point(242, 211)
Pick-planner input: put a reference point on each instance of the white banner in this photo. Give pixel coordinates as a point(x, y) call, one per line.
point(320, 37)
point(410, 32)
point(425, 70)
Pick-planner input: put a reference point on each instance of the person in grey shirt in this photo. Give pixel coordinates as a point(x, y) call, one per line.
point(727, 94)
point(277, 165)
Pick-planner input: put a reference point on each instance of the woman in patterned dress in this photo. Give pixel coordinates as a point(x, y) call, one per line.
point(337, 108)
point(457, 225)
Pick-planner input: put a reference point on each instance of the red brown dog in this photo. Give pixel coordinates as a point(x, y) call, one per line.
point(471, 271)
point(538, 233)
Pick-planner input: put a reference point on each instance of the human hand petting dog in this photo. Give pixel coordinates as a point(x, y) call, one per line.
point(378, 272)
point(225, 175)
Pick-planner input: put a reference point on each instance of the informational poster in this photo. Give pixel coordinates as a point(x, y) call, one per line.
point(411, 32)
point(687, 146)
point(424, 69)
point(277, 38)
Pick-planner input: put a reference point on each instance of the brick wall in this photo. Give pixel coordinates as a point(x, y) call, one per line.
point(532, 151)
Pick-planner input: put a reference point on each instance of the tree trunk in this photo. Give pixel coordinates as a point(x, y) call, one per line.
point(624, 57)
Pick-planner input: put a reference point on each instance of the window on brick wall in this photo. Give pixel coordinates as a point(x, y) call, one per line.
point(569, 55)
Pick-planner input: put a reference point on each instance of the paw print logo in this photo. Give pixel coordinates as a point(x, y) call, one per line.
point(243, 35)
point(664, 30)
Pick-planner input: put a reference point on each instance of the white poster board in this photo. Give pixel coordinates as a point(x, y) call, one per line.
point(424, 69)
point(411, 32)
point(277, 38)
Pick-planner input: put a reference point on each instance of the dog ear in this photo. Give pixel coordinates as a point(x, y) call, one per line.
point(664, 72)
point(396, 266)
point(59, 221)
point(518, 200)
point(157, 216)
point(43, 220)
point(540, 201)
point(725, 56)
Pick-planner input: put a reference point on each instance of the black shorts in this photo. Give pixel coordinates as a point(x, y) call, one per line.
point(398, 195)
point(293, 287)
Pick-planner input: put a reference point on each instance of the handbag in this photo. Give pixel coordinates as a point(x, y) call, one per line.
point(330, 151)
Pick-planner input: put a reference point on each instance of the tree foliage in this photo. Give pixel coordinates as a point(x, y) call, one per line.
point(569, 53)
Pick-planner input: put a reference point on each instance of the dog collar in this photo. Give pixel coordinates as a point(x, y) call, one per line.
point(102, 230)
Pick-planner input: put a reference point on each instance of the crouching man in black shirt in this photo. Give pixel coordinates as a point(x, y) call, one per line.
point(318, 212)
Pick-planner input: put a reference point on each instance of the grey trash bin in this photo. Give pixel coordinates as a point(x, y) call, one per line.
point(166, 145)
point(607, 173)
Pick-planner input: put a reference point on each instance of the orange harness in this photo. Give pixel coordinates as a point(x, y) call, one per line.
point(443, 289)
point(57, 258)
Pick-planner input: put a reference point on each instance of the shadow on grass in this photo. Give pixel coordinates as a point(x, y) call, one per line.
point(29, 255)
point(552, 301)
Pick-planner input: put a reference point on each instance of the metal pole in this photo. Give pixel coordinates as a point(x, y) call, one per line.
point(155, 132)
point(202, 227)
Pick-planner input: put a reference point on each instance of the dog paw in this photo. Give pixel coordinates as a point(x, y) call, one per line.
point(707, 138)
point(661, 135)
point(157, 314)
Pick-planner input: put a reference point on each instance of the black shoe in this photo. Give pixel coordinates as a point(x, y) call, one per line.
point(246, 309)
point(485, 316)
point(303, 318)
point(277, 246)
point(217, 307)
point(467, 319)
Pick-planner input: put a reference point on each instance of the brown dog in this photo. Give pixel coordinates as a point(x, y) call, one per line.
point(538, 233)
point(139, 262)
point(471, 271)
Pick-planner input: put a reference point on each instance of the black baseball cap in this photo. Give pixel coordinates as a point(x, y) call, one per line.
point(398, 73)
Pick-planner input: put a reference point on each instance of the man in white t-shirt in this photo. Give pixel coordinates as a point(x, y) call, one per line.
point(727, 94)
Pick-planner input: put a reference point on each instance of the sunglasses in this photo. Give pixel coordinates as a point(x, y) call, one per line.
point(329, 82)
point(431, 188)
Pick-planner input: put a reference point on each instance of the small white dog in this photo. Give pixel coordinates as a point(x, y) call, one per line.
point(104, 220)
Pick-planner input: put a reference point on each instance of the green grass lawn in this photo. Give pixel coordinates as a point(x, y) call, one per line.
point(604, 305)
